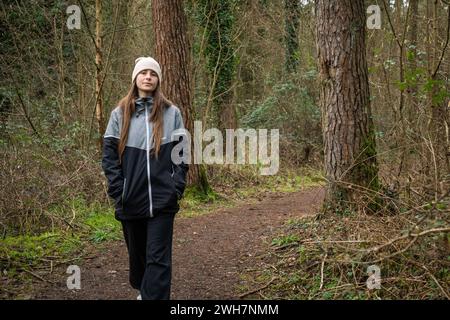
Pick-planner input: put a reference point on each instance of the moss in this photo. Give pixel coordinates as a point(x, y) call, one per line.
point(218, 24)
point(367, 171)
point(344, 199)
point(285, 240)
point(28, 251)
point(103, 227)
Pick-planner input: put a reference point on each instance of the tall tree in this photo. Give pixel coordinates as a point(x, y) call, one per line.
point(439, 121)
point(399, 33)
point(412, 53)
point(292, 18)
point(218, 20)
point(98, 72)
point(172, 48)
point(436, 135)
point(350, 150)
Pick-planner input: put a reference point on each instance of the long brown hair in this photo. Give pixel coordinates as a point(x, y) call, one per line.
point(127, 104)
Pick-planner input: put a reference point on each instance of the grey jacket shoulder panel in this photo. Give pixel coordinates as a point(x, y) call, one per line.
point(173, 120)
point(115, 124)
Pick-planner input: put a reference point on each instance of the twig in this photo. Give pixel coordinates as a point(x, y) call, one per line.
point(286, 245)
point(37, 276)
point(396, 253)
point(414, 236)
point(437, 282)
point(337, 241)
point(8, 291)
point(25, 113)
point(390, 23)
point(340, 286)
point(431, 275)
point(436, 230)
point(321, 271)
point(258, 289)
point(445, 46)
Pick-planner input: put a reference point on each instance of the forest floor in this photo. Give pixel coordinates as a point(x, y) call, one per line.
point(211, 252)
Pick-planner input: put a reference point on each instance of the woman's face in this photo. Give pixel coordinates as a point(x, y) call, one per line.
point(146, 82)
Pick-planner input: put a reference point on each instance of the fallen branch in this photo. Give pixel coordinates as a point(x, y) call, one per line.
point(321, 270)
point(37, 276)
point(409, 235)
point(284, 246)
point(395, 253)
point(258, 289)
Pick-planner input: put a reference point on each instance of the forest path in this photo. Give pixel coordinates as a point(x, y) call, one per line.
point(209, 252)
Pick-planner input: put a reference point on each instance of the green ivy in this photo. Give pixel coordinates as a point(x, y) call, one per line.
point(217, 19)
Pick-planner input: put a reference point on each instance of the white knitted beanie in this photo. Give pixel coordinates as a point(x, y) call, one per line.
point(143, 63)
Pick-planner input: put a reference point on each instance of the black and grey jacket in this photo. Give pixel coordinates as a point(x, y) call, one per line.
point(141, 184)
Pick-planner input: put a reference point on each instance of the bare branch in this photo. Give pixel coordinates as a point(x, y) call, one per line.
point(445, 46)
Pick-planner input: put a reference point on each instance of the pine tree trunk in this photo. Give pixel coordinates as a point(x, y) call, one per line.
point(172, 48)
point(350, 151)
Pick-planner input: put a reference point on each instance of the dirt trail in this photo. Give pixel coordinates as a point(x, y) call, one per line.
point(209, 252)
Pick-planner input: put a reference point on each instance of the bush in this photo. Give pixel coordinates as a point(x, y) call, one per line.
point(291, 109)
point(37, 177)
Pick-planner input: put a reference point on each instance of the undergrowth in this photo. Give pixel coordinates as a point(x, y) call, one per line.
point(356, 256)
point(76, 225)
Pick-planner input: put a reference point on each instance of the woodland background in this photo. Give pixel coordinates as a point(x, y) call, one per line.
point(253, 65)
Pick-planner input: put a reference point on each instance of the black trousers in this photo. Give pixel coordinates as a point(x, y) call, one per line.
point(149, 244)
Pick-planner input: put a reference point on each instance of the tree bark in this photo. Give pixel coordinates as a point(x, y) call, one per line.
point(412, 63)
point(221, 63)
point(292, 16)
point(349, 140)
point(438, 125)
point(172, 48)
point(413, 30)
point(98, 73)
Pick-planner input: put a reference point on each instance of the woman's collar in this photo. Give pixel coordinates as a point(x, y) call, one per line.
point(141, 103)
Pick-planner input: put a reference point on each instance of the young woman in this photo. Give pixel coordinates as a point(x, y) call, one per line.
point(142, 178)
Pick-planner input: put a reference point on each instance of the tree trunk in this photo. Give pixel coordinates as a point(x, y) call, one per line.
point(173, 52)
point(292, 16)
point(98, 72)
point(413, 30)
point(121, 46)
point(221, 63)
point(350, 151)
point(438, 125)
point(412, 61)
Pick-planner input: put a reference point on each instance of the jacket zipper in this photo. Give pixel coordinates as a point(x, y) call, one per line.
point(147, 121)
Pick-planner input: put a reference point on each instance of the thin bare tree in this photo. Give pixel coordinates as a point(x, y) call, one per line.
point(98, 72)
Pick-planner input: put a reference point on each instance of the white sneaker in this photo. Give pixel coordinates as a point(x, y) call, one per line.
point(139, 297)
